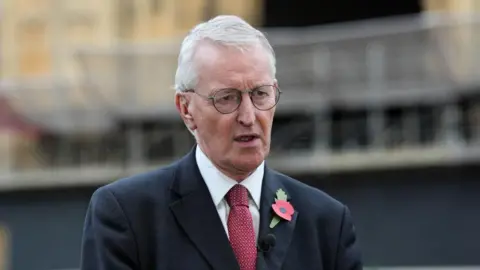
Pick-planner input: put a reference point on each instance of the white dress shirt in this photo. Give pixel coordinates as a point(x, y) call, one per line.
point(219, 184)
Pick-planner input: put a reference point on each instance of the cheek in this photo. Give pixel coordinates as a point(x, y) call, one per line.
point(224, 127)
point(266, 120)
point(208, 122)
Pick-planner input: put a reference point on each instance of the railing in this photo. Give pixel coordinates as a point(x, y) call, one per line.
point(391, 60)
point(321, 143)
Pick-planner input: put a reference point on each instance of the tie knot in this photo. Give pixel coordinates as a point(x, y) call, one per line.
point(237, 196)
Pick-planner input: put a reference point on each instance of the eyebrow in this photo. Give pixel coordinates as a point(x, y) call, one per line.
point(237, 88)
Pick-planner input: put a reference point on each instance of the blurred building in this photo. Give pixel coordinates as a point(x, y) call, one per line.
point(66, 64)
point(45, 58)
point(96, 78)
point(86, 98)
point(89, 73)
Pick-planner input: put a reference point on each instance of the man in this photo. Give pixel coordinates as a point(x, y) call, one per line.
point(220, 207)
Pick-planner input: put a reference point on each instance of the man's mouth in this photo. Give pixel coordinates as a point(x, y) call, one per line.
point(246, 138)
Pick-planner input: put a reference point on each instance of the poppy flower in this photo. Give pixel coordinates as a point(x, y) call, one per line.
point(283, 209)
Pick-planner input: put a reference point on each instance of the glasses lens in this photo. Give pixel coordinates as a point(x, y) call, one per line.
point(227, 100)
point(265, 97)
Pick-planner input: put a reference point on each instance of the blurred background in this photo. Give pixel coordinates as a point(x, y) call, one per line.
point(381, 109)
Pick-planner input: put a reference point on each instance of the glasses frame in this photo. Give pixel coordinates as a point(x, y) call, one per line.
point(249, 91)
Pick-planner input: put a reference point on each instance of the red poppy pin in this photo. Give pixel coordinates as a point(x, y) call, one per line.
point(282, 208)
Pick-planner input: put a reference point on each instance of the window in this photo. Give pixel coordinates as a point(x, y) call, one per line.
point(81, 28)
point(126, 18)
point(155, 7)
point(33, 47)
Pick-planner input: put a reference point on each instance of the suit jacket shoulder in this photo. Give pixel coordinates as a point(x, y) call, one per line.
point(140, 186)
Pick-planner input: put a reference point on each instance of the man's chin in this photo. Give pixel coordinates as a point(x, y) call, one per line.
point(248, 163)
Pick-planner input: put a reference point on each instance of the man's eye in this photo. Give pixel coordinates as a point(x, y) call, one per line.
point(227, 98)
point(259, 93)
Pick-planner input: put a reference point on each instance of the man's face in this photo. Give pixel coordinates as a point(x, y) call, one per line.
point(220, 135)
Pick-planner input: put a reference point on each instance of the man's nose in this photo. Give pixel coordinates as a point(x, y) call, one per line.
point(246, 111)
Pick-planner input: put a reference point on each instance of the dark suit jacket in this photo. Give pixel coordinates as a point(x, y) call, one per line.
point(166, 219)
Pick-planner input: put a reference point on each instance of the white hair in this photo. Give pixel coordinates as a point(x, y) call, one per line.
point(226, 30)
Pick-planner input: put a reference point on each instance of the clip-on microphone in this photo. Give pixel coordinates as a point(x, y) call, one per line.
point(266, 243)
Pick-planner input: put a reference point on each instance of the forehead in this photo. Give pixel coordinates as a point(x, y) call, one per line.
point(220, 66)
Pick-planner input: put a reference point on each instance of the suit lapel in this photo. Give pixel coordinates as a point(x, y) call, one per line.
point(283, 231)
point(198, 216)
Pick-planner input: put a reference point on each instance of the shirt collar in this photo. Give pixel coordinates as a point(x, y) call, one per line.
point(219, 184)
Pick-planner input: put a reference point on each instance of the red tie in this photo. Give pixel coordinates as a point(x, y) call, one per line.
point(240, 228)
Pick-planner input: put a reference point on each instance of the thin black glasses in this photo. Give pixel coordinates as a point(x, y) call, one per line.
point(228, 100)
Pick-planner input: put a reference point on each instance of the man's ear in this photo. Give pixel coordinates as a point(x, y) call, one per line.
point(184, 108)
